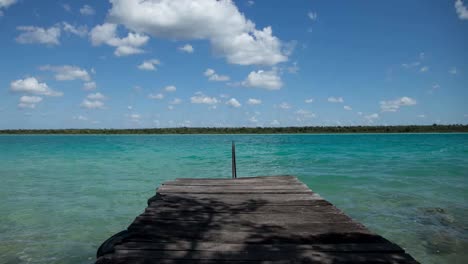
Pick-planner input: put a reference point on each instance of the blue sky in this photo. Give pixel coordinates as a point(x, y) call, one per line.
point(132, 64)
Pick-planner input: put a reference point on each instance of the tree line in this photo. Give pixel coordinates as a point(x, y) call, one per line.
point(435, 128)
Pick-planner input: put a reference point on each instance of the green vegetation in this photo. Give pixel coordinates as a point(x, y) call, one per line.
point(252, 130)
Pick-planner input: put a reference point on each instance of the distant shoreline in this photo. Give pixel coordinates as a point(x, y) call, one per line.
point(255, 130)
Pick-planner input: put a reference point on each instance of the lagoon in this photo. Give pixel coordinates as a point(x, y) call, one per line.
point(63, 195)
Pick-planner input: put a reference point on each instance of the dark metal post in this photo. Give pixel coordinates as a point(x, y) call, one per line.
point(234, 170)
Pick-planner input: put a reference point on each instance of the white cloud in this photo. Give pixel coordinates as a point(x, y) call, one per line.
point(87, 10)
point(309, 101)
point(394, 105)
point(421, 116)
point(253, 101)
point(200, 98)
point(107, 34)
point(31, 34)
point(294, 68)
point(212, 76)
point(347, 107)
point(284, 106)
point(234, 103)
point(461, 9)
point(453, 71)
point(170, 88)
point(371, 117)
point(149, 65)
point(80, 31)
point(250, 2)
point(424, 69)
point(135, 117)
point(158, 96)
point(335, 99)
point(4, 4)
point(176, 101)
point(313, 16)
point(187, 48)
point(253, 119)
point(269, 80)
point(66, 7)
point(81, 118)
point(229, 32)
point(411, 65)
point(92, 104)
point(29, 101)
point(305, 113)
point(89, 86)
point(67, 72)
point(33, 86)
point(275, 123)
point(96, 96)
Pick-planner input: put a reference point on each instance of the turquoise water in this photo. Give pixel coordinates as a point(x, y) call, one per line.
point(62, 196)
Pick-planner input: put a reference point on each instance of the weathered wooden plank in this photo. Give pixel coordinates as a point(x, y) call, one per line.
point(244, 219)
point(262, 235)
point(249, 188)
point(222, 192)
point(229, 198)
point(163, 207)
point(306, 256)
point(224, 247)
point(246, 205)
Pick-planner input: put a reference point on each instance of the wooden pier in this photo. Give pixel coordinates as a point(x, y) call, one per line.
point(274, 219)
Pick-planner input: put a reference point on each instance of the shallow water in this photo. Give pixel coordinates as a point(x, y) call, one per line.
point(62, 196)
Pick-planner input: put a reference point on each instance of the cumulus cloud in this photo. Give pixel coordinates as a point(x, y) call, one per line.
point(335, 99)
point(309, 101)
point(33, 86)
point(394, 105)
point(96, 96)
point(31, 35)
point(80, 31)
point(92, 104)
point(176, 101)
point(170, 88)
point(424, 69)
point(158, 96)
point(305, 114)
point(312, 16)
point(81, 118)
point(213, 76)
point(89, 86)
point(275, 123)
point(253, 101)
point(411, 65)
point(234, 103)
point(87, 10)
point(67, 72)
point(284, 106)
point(200, 98)
point(4, 4)
point(461, 10)
point(186, 48)
point(229, 32)
point(107, 34)
point(453, 71)
point(149, 65)
point(347, 107)
point(370, 118)
point(29, 101)
point(269, 80)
